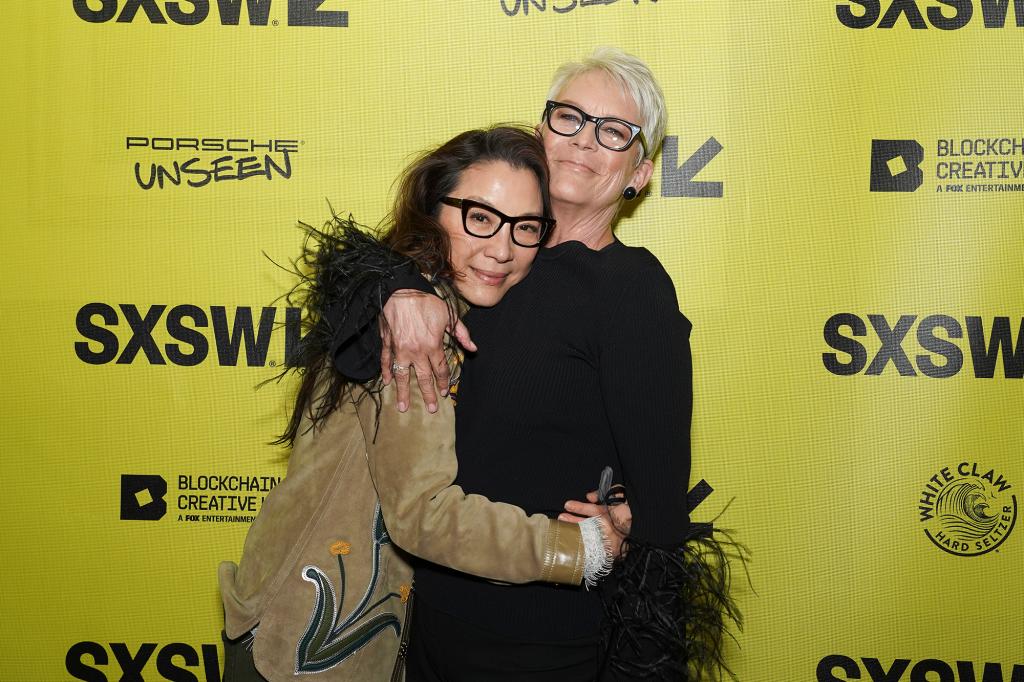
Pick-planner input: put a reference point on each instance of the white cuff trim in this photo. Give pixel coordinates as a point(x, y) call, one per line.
point(597, 551)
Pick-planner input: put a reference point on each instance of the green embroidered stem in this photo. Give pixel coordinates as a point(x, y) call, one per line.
point(325, 643)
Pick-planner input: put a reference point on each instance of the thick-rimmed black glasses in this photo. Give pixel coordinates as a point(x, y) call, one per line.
point(612, 133)
point(481, 220)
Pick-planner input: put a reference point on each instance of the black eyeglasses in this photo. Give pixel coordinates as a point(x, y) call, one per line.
point(612, 133)
point(481, 220)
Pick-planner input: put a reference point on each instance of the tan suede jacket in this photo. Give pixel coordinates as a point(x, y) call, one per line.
point(321, 580)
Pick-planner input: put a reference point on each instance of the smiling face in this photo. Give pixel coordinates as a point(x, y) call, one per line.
point(488, 267)
point(584, 173)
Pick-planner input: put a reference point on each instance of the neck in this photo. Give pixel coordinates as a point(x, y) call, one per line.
point(584, 224)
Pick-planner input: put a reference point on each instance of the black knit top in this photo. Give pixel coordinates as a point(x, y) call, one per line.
point(586, 363)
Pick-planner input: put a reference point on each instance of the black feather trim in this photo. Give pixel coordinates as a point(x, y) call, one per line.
point(668, 610)
point(343, 275)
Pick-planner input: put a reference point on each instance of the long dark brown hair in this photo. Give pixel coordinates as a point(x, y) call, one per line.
point(342, 267)
point(413, 229)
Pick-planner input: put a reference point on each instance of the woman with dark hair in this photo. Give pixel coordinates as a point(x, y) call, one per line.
point(587, 364)
point(322, 588)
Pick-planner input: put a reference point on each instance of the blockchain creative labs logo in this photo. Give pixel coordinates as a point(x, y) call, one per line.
point(895, 165)
point(142, 497)
point(164, 162)
point(512, 8)
point(967, 509)
point(229, 12)
point(987, 164)
point(199, 498)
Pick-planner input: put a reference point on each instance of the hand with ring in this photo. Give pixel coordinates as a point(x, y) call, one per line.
point(412, 331)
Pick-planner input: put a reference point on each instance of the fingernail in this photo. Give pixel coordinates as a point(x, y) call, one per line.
point(432, 408)
point(570, 506)
point(444, 392)
point(402, 407)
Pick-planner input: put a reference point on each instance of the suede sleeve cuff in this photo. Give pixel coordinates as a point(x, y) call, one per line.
point(563, 553)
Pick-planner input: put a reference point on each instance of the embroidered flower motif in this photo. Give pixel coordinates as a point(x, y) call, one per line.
point(332, 636)
point(405, 591)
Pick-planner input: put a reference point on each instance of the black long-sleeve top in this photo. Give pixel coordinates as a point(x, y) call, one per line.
point(586, 363)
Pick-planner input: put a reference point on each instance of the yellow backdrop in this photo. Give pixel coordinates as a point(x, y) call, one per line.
point(839, 204)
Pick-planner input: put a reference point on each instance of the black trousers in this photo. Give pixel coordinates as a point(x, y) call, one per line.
point(238, 663)
point(443, 648)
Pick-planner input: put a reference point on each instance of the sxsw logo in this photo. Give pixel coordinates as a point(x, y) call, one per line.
point(945, 15)
point(99, 661)
point(142, 497)
point(212, 334)
point(935, 348)
point(694, 497)
point(677, 179)
point(895, 165)
point(840, 668)
point(300, 12)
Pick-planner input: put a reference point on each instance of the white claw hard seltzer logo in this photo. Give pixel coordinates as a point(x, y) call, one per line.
point(967, 509)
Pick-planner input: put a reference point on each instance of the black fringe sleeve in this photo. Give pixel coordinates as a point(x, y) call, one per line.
point(345, 276)
point(355, 276)
point(668, 610)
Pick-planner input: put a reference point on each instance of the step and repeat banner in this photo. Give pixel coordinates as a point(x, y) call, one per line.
point(839, 200)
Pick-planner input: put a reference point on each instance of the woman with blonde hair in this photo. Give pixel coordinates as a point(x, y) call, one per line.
point(585, 365)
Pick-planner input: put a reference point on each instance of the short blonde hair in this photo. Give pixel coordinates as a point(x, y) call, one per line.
point(634, 76)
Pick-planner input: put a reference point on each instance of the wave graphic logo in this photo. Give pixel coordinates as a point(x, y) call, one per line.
point(968, 510)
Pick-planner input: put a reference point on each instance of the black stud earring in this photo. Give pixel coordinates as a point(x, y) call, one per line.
point(629, 193)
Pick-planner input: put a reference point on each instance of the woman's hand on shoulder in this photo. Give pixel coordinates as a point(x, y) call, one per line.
point(412, 331)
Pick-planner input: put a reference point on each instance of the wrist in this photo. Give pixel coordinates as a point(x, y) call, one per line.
point(597, 550)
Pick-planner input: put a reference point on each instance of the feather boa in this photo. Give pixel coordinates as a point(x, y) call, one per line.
point(343, 274)
point(668, 610)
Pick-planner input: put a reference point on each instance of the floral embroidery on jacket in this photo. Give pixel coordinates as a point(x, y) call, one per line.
point(330, 637)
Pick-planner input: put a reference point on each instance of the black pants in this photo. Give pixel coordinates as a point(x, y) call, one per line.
point(238, 663)
point(443, 648)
